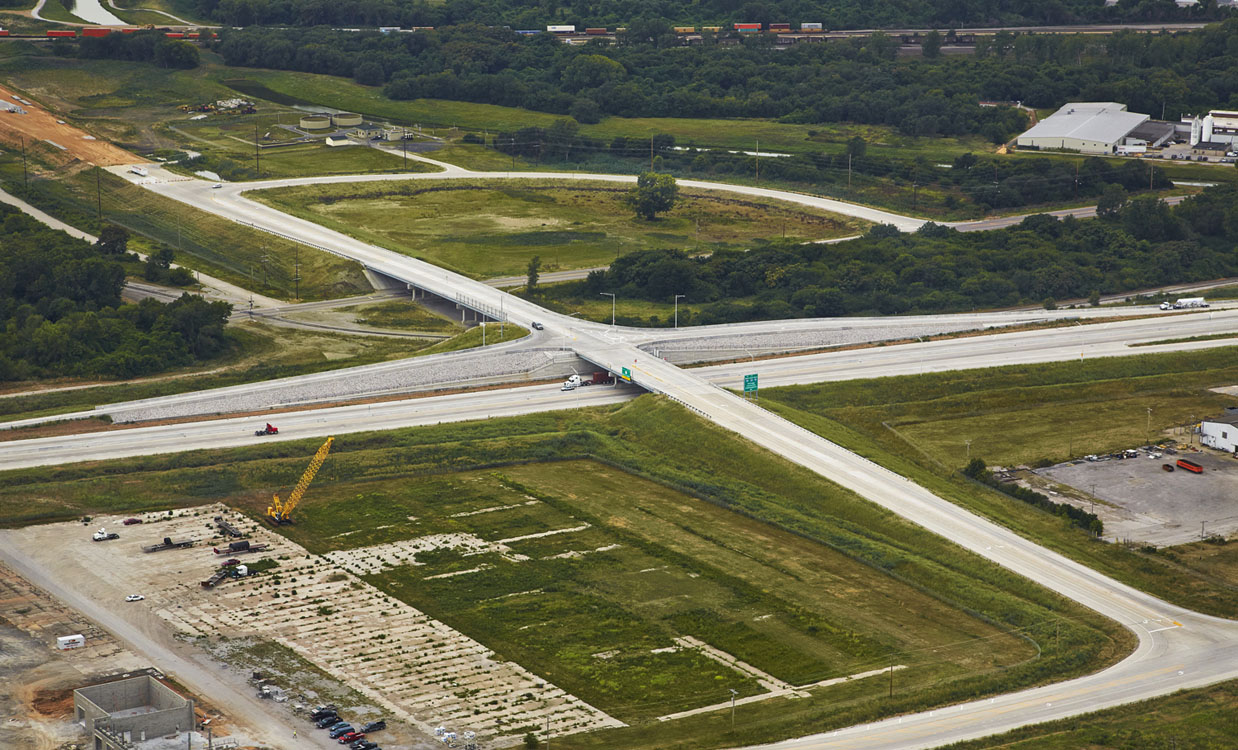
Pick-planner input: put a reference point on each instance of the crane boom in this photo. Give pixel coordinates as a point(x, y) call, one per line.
point(281, 511)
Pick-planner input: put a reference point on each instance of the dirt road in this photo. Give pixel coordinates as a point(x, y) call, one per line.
point(150, 637)
point(39, 125)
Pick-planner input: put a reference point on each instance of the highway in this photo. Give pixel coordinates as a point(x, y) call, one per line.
point(1177, 649)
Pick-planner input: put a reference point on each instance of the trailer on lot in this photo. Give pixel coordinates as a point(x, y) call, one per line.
point(167, 543)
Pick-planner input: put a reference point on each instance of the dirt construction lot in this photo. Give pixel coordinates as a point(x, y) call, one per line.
point(415, 667)
point(1148, 504)
point(39, 125)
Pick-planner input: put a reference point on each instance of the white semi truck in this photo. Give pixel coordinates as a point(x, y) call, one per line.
point(1185, 303)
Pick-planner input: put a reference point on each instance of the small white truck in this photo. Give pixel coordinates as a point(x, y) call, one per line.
point(139, 171)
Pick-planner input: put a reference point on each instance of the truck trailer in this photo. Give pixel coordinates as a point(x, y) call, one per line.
point(167, 543)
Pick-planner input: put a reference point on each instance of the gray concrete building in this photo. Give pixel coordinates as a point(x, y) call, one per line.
point(1085, 127)
point(131, 710)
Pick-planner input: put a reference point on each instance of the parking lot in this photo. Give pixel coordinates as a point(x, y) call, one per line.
point(1139, 501)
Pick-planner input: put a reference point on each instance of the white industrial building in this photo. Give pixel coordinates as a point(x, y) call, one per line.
point(1086, 127)
point(1220, 433)
point(1218, 126)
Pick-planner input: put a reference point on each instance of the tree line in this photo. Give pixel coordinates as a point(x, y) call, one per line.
point(834, 14)
point(61, 313)
point(1136, 244)
point(858, 80)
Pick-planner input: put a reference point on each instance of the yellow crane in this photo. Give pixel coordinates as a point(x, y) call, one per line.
point(280, 512)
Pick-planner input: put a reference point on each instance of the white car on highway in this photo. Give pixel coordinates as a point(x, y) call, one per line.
point(134, 598)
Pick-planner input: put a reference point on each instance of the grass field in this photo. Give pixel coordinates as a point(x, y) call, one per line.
point(1029, 412)
point(402, 315)
point(493, 229)
point(706, 548)
point(292, 87)
point(1203, 719)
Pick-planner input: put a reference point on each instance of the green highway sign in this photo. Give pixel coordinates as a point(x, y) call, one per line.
point(627, 374)
point(750, 383)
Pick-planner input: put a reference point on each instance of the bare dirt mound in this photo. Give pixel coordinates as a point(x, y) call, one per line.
point(39, 125)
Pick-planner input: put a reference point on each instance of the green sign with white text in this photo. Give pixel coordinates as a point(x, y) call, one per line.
point(627, 374)
point(750, 383)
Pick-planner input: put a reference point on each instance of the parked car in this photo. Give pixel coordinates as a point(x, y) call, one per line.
point(134, 598)
point(364, 745)
point(352, 736)
point(374, 726)
point(1167, 467)
point(327, 721)
point(131, 521)
point(320, 711)
point(337, 732)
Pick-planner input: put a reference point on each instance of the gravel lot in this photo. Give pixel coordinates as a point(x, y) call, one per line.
point(1148, 504)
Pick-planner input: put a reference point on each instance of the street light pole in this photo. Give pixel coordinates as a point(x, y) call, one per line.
point(1148, 431)
point(612, 306)
point(677, 296)
point(734, 693)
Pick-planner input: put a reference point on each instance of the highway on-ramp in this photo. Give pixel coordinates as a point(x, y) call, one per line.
point(1177, 649)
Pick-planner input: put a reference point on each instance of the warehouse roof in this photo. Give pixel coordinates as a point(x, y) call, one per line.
point(1105, 122)
point(1153, 130)
point(1225, 419)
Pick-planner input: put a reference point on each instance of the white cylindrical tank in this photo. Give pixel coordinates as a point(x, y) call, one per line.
point(315, 122)
point(1197, 130)
point(346, 119)
point(1207, 134)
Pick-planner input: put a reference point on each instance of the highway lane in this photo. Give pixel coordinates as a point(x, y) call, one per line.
point(339, 420)
point(1171, 640)
point(1018, 347)
point(1110, 339)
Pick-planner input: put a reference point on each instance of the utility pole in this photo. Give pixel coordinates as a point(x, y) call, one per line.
point(612, 306)
point(891, 675)
point(915, 193)
point(99, 194)
point(257, 159)
point(848, 173)
point(734, 693)
point(25, 179)
point(677, 296)
point(404, 146)
point(1151, 171)
point(296, 273)
point(758, 160)
point(1076, 180)
point(968, 442)
point(1148, 431)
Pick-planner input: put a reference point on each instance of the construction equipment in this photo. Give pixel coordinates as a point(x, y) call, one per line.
point(240, 548)
point(280, 512)
point(227, 528)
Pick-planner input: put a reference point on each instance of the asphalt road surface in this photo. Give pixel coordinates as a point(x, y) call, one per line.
point(1177, 649)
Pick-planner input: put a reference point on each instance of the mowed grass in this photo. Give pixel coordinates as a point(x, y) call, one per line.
point(1014, 417)
point(730, 133)
point(737, 533)
point(487, 229)
point(593, 609)
point(1203, 719)
point(1070, 395)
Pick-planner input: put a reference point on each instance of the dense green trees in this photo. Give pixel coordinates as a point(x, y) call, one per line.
point(859, 80)
point(142, 46)
point(61, 313)
point(1144, 243)
point(648, 20)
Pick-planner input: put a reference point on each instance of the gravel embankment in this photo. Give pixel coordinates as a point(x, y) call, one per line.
point(419, 374)
point(710, 348)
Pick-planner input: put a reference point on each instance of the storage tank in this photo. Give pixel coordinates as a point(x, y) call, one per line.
point(346, 120)
point(315, 122)
point(1208, 124)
